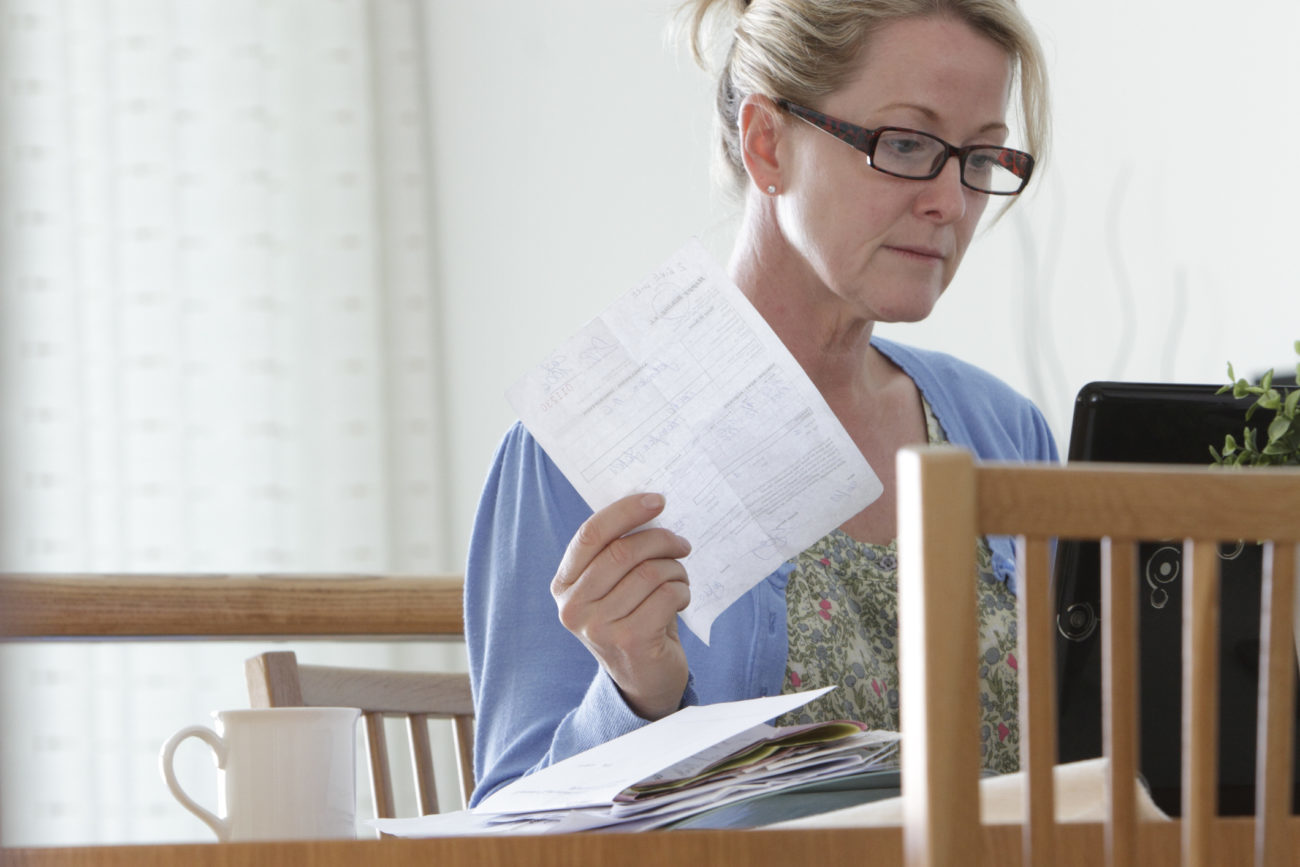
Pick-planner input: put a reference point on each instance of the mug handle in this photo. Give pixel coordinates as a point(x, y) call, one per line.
point(165, 759)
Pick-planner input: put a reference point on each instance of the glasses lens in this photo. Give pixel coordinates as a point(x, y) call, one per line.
point(997, 170)
point(907, 154)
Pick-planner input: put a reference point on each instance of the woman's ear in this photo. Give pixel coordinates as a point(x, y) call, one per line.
point(761, 126)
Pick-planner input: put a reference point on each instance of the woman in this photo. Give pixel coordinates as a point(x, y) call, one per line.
point(835, 118)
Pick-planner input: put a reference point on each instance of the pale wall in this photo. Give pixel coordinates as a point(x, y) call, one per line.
point(572, 150)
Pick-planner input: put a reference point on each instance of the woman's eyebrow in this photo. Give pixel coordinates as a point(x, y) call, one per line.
point(932, 115)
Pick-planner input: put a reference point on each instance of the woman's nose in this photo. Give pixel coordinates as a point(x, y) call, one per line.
point(944, 196)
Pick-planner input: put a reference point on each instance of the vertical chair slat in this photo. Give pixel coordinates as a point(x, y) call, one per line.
point(463, 738)
point(1119, 697)
point(1034, 651)
point(938, 652)
point(1200, 700)
point(1274, 744)
point(381, 778)
point(426, 788)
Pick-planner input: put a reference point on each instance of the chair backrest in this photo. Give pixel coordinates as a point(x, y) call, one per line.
point(945, 500)
point(275, 679)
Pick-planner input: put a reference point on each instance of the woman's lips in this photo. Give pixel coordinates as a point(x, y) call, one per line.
point(919, 254)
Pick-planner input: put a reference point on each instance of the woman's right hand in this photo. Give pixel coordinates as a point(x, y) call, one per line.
point(619, 592)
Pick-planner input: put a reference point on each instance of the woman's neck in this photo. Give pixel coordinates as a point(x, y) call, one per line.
point(830, 343)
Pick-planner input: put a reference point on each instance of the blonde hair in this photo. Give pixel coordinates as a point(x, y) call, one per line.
point(802, 50)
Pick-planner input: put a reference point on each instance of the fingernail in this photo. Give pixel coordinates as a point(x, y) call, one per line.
point(684, 541)
point(652, 501)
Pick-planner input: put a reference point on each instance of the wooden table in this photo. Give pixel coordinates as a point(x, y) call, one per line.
point(216, 607)
point(824, 848)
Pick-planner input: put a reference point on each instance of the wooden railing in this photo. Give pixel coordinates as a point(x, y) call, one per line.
point(215, 607)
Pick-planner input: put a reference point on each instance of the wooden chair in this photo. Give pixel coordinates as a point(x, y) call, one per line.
point(944, 501)
point(275, 679)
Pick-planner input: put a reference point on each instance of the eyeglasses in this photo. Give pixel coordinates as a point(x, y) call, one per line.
point(919, 156)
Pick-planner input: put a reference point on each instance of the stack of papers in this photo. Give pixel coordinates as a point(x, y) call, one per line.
point(766, 760)
point(696, 760)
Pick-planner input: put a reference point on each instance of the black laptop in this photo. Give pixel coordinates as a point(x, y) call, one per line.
point(1160, 423)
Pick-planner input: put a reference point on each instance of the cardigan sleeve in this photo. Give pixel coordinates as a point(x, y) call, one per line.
point(539, 694)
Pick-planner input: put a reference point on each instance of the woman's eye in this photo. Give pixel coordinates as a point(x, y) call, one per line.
point(905, 145)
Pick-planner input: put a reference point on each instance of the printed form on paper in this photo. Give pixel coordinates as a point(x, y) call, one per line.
point(681, 388)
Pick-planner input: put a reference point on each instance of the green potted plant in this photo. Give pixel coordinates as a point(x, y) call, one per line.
point(1281, 442)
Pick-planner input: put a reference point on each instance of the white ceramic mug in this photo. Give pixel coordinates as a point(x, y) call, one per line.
point(284, 773)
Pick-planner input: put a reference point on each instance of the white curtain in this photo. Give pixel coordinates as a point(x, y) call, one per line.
point(220, 350)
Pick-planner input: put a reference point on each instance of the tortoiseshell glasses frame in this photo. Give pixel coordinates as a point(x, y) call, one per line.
point(919, 156)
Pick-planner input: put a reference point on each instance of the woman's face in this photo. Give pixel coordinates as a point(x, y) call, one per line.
point(889, 246)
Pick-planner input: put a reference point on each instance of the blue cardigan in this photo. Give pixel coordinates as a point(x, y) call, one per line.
point(539, 694)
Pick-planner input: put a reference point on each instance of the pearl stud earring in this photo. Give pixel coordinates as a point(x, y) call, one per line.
point(771, 189)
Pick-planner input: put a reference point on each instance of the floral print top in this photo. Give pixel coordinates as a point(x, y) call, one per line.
point(842, 603)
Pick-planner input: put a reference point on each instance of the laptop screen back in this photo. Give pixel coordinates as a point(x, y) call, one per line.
point(1159, 423)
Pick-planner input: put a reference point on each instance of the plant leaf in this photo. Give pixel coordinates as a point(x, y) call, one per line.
point(1282, 435)
point(1278, 428)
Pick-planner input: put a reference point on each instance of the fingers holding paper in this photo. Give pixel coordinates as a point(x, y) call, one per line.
point(619, 589)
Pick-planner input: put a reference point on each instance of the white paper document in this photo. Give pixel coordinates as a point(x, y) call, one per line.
point(595, 777)
point(681, 388)
point(675, 769)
